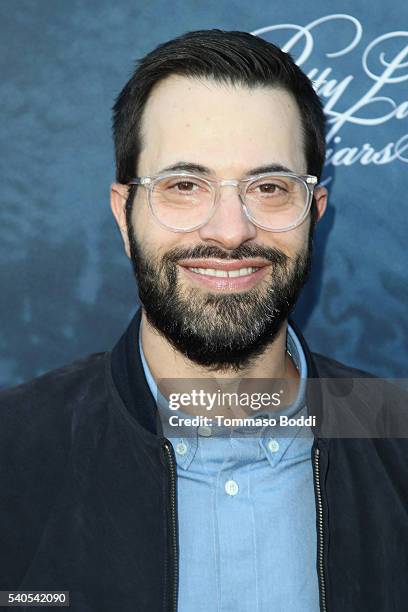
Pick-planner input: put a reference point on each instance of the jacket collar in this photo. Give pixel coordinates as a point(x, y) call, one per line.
point(313, 393)
point(130, 381)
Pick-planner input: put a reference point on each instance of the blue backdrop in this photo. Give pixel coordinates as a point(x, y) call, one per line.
point(66, 286)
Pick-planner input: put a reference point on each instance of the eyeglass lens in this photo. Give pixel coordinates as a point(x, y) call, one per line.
point(184, 202)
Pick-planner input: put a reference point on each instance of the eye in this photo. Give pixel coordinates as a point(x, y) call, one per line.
point(185, 186)
point(182, 189)
point(270, 188)
point(182, 186)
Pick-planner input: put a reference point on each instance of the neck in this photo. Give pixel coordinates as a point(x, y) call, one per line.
point(165, 362)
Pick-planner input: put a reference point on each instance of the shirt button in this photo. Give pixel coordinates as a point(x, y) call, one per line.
point(205, 431)
point(181, 448)
point(231, 487)
point(273, 445)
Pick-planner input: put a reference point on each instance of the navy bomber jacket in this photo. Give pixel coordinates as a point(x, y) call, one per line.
point(88, 499)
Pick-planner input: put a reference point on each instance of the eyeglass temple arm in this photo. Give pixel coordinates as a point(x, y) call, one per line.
point(140, 180)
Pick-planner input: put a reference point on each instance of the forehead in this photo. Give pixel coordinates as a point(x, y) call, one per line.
point(227, 128)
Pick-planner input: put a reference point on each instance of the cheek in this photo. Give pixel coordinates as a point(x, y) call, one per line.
point(140, 210)
point(144, 226)
point(291, 242)
point(153, 239)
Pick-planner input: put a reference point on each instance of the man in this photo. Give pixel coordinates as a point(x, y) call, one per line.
point(219, 149)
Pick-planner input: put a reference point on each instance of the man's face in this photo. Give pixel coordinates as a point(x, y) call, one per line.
point(219, 323)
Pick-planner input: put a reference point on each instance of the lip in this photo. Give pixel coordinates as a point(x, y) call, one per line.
point(220, 264)
point(221, 283)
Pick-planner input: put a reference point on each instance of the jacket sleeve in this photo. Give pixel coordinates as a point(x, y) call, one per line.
point(34, 450)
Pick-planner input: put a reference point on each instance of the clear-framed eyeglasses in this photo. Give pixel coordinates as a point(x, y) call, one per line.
point(184, 202)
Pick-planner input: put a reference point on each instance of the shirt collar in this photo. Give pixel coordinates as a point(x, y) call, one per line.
point(273, 448)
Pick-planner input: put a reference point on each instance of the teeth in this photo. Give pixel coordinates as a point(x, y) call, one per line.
point(224, 273)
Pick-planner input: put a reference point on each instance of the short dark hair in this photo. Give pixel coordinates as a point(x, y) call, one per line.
point(229, 57)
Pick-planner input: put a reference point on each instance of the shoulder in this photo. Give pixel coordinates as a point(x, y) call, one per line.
point(364, 403)
point(42, 409)
point(327, 367)
point(54, 383)
point(39, 420)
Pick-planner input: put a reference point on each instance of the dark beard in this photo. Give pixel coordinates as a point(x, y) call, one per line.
point(222, 332)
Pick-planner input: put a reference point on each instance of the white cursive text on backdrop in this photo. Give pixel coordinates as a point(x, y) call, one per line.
point(381, 69)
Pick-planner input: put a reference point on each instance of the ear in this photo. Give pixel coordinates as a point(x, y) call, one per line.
point(118, 197)
point(320, 195)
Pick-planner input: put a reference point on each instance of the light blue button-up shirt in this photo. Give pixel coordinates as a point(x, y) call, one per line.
point(247, 516)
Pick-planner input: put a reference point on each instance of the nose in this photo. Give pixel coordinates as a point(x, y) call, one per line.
point(229, 226)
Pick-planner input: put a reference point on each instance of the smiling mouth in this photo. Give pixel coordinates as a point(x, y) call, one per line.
point(223, 273)
point(217, 275)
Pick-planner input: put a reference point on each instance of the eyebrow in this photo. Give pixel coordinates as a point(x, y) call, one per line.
point(183, 166)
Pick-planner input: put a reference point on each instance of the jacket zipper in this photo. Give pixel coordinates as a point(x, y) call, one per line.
point(174, 537)
point(320, 535)
point(173, 572)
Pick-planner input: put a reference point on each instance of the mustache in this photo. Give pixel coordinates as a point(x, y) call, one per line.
point(272, 254)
